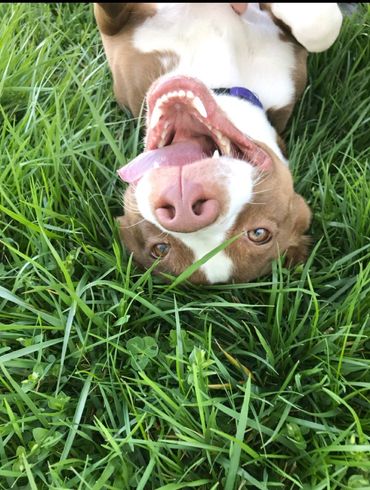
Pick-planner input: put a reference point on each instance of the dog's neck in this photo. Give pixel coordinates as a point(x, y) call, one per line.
point(241, 93)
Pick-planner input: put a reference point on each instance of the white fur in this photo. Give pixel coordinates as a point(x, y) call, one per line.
point(233, 173)
point(166, 61)
point(219, 267)
point(315, 25)
point(223, 49)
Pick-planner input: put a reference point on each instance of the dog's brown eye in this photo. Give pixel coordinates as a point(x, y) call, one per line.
point(159, 250)
point(259, 236)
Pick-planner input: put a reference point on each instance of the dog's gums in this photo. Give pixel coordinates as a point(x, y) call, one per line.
point(185, 124)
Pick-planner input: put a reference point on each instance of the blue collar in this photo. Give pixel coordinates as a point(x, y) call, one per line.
point(242, 93)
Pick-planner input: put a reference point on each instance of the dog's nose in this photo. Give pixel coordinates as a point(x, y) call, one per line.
point(186, 210)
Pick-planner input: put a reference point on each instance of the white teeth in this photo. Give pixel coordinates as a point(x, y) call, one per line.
point(180, 93)
point(226, 147)
point(223, 143)
point(156, 115)
point(159, 113)
point(216, 154)
point(164, 98)
point(199, 106)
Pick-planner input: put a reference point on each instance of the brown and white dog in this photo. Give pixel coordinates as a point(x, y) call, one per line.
point(220, 82)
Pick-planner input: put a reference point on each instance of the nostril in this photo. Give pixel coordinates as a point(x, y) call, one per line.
point(166, 214)
point(186, 212)
point(198, 207)
point(169, 211)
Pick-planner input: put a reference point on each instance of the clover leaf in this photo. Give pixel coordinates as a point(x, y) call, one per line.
point(141, 351)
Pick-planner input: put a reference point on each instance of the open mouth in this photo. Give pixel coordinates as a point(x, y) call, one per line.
point(185, 125)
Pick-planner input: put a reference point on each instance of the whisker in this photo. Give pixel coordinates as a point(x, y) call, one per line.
point(135, 224)
point(164, 234)
point(262, 191)
point(130, 204)
point(261, 178)
point(132, 208)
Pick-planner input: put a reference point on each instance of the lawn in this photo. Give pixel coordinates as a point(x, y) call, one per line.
point(110, 379)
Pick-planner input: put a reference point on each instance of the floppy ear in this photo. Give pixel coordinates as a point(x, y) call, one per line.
point(297, 250)
point(112, 17)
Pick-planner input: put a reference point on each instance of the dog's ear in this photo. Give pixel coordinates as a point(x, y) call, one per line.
point(297, 250)
point(112, 17)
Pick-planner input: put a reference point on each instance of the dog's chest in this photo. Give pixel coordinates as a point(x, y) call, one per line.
point(223, 49)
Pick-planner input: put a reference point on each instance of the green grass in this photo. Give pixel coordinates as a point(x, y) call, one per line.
point(110, 379)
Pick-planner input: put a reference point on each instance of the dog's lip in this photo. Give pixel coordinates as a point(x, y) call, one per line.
point(205, 122)
point(216, 120)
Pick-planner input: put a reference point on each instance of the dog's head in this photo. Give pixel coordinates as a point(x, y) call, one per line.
point(202, 181)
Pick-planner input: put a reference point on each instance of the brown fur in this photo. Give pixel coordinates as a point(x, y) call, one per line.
point(113, 17)
point(133, 71)
point(279, 118)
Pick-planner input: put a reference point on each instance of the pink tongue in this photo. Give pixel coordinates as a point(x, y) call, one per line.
point(177, 154)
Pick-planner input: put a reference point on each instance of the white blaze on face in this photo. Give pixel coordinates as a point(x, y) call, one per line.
point(235, 178)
